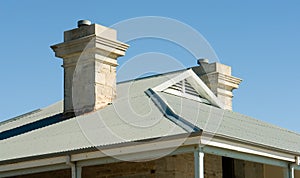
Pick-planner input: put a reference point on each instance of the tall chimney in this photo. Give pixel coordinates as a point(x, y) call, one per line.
point(89, 55)
point(218, 78)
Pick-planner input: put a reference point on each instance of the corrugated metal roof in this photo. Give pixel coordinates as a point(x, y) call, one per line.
point(133, 116)
point(124, 89)
point(31, 117)
point(100, 128)
point(234, 125)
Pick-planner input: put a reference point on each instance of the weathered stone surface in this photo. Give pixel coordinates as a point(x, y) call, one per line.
point(212, 166)
point(247, 169)
point(219, 79)
point(254, 170)
point(66, 173)
point(89, 59)
point(180, 166)
point(94, 29)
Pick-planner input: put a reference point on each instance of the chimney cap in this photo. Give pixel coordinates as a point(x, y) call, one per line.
point(202, 60)
point(81, 23)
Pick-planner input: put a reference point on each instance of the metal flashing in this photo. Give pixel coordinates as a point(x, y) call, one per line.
point(170, 114)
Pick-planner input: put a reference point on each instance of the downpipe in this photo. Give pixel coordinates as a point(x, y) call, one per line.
point(72, 165)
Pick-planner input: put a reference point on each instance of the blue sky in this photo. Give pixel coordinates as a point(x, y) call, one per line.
point(259, 39)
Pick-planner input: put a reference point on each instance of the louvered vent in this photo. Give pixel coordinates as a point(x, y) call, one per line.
point(185, 89)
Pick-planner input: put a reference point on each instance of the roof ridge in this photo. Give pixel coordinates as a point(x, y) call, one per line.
point(19, 116)
point(28, 113)
point(150, 76)
point(31, 126)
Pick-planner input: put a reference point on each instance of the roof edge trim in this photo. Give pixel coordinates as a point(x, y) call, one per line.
point(170, 114)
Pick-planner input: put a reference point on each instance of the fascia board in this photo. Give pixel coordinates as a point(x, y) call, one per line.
point(246, 148)
point(203, 90)
point(172, 81)
point(133, 151)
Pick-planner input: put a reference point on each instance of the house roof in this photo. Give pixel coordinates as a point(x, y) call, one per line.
point(31, 117)
point(132, 117)
point(234, 125)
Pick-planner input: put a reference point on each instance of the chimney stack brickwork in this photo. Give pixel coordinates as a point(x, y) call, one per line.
point(89, 55)
point(218, 78)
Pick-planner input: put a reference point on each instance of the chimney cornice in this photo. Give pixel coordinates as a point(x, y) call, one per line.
point(89, 55)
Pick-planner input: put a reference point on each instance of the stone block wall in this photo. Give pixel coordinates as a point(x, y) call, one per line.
point(254, 170)
point(178, 166)
point(212, 166)
point(65, 173)
point(247, 169)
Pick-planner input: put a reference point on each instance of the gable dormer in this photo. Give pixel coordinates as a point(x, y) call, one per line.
point(189, 85)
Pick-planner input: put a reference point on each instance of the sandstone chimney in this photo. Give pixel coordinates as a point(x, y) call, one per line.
point(89, 55)
point(218, 78)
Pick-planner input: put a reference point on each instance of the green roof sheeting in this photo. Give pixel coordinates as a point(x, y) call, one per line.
point(234, 125)
point(132, 117)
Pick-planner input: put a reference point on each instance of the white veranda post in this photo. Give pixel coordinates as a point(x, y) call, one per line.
point(199, 163)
